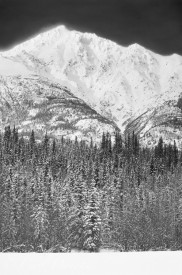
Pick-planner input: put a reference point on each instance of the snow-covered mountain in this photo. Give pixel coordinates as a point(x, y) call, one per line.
point(35, 103)
point(130, 87)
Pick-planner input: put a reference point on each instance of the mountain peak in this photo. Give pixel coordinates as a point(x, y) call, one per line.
point(48, 36)
point(56, 36)
point(119, 83)
point(135, 46)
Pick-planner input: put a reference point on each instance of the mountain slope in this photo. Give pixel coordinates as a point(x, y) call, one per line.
point(35, 103)
point(122, 84)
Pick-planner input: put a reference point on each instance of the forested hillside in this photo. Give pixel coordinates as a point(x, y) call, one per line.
point(62, 195)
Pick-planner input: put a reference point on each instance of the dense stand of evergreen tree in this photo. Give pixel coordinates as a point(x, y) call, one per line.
point(64, 195)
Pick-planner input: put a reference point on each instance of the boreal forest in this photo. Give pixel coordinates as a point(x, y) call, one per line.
point(63, 195)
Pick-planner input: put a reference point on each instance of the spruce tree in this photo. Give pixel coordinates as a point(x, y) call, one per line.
point(92, 221)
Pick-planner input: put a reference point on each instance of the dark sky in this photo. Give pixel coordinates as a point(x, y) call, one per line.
point(155, 24)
